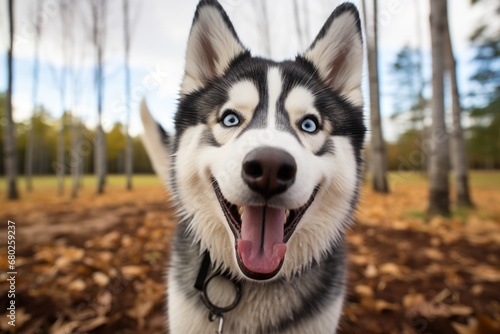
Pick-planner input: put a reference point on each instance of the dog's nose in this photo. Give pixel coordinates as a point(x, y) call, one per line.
point(269, 171)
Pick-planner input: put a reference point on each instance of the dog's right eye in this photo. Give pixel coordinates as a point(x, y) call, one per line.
point(230, 119)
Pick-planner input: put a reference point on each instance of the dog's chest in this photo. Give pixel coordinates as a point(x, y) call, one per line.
point(279, 307)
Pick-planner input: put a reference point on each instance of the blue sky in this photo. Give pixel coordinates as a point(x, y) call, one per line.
point(160, 32)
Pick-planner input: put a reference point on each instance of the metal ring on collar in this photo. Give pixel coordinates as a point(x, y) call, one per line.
point(218, 310)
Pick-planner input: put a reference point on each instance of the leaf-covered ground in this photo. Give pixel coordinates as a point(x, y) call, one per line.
point(96, 264)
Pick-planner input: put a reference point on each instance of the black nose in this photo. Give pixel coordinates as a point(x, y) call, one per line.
point(269, 171)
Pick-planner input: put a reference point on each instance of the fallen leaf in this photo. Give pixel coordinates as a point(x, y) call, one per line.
point(477, 289)
point(412, 299)
point(92, 324)
point(432, 310)
point(132, 271)
point(434, 254)
point(109, 240)
point(364, 290)
point(60, 327)
point(472, 327)
point(77, 285)
point(103, 302)
point(485, 273)
point(390, 269)
point(100, 278)
point(140, 311)
point(371, 271)
point(382, 305)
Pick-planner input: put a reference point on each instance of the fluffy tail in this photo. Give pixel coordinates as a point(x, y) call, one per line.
point(157, 143)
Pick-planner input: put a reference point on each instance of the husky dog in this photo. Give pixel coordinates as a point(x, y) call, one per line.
point(264, 168)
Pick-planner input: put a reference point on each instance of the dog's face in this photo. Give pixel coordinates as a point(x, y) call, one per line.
point(266, 157)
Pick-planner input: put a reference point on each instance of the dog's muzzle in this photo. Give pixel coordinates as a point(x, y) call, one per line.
point(262, 231)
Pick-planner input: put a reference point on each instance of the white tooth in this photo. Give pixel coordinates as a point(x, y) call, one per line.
point(287, 214)
point(241, 210)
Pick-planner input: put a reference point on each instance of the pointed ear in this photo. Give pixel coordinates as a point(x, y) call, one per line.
point(212, 45)
point(337, 53)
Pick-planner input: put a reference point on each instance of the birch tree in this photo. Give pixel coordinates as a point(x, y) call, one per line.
point(76, 156)
point(378, 157)
point(61, 161)
point(10, 159)
point(99, 14)
point(128, 140)
point(30, 150)
point(439, 201)
point(460, 164)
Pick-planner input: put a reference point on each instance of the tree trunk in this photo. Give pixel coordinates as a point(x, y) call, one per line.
point(10, 158)
point(378, 159)
point(76, 155)
point(458, 145)
point(420, 113)
point(61, 169)
point(76, 158)
point(65, 38)
point(99, 12)
point(100, 143)
point(439, 201)
point(30, 150)
point(129, 160)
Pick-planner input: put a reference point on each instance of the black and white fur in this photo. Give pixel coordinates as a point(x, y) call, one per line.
point(271, 101)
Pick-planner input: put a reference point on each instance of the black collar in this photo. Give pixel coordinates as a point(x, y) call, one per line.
point(202, 283)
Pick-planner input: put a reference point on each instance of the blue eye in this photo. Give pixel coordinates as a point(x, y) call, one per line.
point(309, 125)
point(230, 119)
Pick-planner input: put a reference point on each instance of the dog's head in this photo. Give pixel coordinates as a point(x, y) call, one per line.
point(266, 160)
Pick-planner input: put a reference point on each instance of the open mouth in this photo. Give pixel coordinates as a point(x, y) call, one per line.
point(261, 234)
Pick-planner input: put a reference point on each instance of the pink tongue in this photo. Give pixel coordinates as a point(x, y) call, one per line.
point(261, 247)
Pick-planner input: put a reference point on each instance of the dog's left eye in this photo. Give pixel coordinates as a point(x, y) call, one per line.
point(230, 119)
point(309, 125)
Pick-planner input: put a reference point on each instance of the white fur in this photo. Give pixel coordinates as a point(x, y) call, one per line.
point(274, 90)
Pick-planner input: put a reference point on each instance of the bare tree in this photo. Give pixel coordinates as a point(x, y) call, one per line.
point(459, 155)
point(378, 158)
point(76, 158)
point(30, 151)
point(419, 113)
point(99, 15)
point(65, 37)
point(128, 141)
point(10, 158)
point(439, 201)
